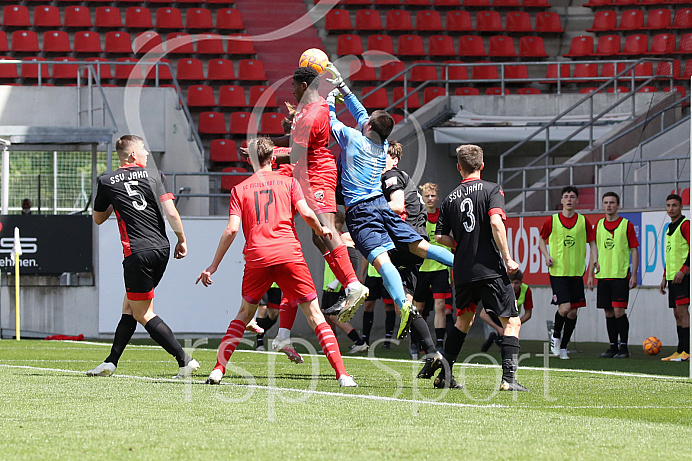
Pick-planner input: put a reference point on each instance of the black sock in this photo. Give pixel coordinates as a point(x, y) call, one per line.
point(162, 334)
point(623, 329)
point(389, 317)
point(355, 337)
point(367, 325)
point(260, 340)
point(680, 348)
point(612, 327)
point(123, 333)
point(455, 339)
point(684, 339)
point(440, 335)
point(510, 358)
point(569, 329)
point(425, 338)
point(559, 322)
point(265, 323)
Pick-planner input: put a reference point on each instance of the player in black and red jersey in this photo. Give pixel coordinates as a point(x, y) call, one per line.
point(140, 199)
point(471, 219)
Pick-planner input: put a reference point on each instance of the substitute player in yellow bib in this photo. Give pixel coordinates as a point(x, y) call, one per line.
point(567, 233)
point(616, 241)
point(676, 275)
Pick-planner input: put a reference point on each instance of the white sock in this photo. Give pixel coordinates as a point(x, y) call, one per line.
point(352, 285)
point(284, 334)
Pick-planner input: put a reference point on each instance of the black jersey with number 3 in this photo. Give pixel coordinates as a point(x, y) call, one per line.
point(135, 193)
point(465, 213)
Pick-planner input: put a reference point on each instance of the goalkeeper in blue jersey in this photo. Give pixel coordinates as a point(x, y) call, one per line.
point(374, 226)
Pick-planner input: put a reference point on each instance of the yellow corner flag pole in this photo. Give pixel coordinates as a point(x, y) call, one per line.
point(16, 251)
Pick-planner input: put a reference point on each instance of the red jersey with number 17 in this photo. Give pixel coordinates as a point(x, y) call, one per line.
point(266, 203)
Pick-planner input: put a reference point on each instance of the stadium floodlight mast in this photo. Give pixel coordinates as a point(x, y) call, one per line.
point(5, 175)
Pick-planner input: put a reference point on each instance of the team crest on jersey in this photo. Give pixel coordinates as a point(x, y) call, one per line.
point(609, 243)
point(569, 241)
point(389, 182)
point(319, 195)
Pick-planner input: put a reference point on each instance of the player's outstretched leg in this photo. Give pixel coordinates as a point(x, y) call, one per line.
point(454, 342)
point(230, 341)
point(123, 333)
point(282, 342)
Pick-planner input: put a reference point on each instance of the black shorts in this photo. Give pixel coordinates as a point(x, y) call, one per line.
point(409, 277)
point(143, 271)
point(568, 290)
point(437, 281)
point(329, 298)
point(272, 298)
point(376, 288)
point(679, 293)
point(613, 293)
point(496, 294)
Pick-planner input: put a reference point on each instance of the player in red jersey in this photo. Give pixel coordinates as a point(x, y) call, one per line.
point(140, 200)
point(265, 204)
point(315, 169)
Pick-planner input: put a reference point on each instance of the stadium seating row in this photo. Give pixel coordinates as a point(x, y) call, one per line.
point(445, 3)
point(443, 45)
point(230, 96)
point(606, 20)
point(431, 21)
point(136, 17)
point(636, 44)
point(606, 3)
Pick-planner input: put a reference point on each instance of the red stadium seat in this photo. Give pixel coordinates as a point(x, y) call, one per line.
point(210, 44)
point(471, 46)
point(379, 42)
point(587, 72)
point(410, 45)
point(200, 96)
point(431, 92)
point(686, 74)
point(349, 44)
point(229, 182)
point(8, 71)
point(146, 42)
point(608, 69)
point(428, 21)
point(643, 70)
point(516, 72)
point(271, 123)
point(212, 123)
point(129, 70)
point(25, 41)
point(118, 42)
point(65, 71)
point(232, 96)
point(377, 100)
point(107, 17)
point(164, 71)
point(31, 71)
point(413, 100)
point(229, 19)
point(605, 20)
point(243, 123)
point(169, 18)
point(581, 46)
point(446, 2)
point(368, 20)
point(362, 71)
point(15, 16)
point(423, 73)
point(386, 2)
point(548, 22)
point(467, 91)
point(532, 47)
point(78, 17)
point(624, 2)
point(676, 89)
point(535, 4)
point(684, 46)
point(220, 69)
point(3, 42)
point(501, 46)
point(398, 20)
point(658, 19)
point(591, 89)
point(664, 71)
point(636, 44)
point(240, 44)
point(506, 4)
point(390, 69)
point(477, 3)
point(262, 96)
point(179, 43)
point(101, 68)
point(56, 41)
point(662, 44)
point(620, 89)
point(223, 150)
point(441, 46)
point(189, 69)
point(683, 19)
point(337, 20)
point(87, 42)
point(632, 20)
point(47, 16)
point(458, 21)
point(488, 21)
point(455, 72)
point(526, 91)
point(552, 73)
point(598, 3)
point(138, 17)
point(198, 19)
point(484, 72)
point(496, 91)
point(251, 70)
point(518, 21)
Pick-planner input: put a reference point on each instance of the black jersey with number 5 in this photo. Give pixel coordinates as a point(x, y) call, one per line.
point(135, 193)
point(465, 214)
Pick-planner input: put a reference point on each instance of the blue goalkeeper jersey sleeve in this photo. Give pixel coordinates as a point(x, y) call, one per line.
point(361, 160)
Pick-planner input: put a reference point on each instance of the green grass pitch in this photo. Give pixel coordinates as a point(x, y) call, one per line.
point(638, 408)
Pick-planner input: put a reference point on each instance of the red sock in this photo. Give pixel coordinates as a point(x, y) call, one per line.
point(330, 346)
point(287, 316)
point(229, 343)
point(340, 264)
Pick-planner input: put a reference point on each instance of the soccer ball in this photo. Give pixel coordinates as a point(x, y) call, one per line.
point(315, 58)
point(652, 345)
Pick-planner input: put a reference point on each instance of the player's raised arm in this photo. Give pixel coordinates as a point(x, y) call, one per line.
point(352, 103)
point(173, 217)
point(227, 238)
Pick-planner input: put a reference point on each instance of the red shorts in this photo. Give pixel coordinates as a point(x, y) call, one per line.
point(293, 278)
point(319, 187)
